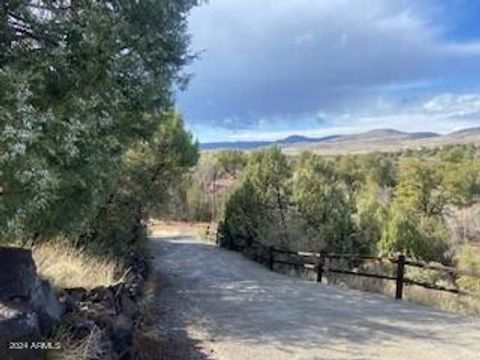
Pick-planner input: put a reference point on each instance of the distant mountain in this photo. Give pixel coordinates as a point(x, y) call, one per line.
point(375, 140)
point(465, 134)
point(385, 135)
point(250, 145)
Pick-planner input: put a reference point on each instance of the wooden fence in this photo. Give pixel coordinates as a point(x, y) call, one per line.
point(321, 264)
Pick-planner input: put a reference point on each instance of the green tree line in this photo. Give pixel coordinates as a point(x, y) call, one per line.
point(379, 203)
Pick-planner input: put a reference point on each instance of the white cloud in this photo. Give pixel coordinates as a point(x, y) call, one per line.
point(464, 106)
point(284, 59)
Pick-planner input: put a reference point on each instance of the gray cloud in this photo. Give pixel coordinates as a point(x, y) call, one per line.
point(272, 59)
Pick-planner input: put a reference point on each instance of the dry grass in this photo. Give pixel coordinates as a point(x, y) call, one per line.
point(95, 346)
point(158, 228)
point(463, 304)
point(467, 304)
point(66, 267)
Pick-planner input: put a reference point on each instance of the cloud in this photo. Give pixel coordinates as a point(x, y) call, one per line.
point(271, 60)
point(454, 106)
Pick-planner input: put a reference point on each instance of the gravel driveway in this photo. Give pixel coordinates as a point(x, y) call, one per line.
point(231, 308)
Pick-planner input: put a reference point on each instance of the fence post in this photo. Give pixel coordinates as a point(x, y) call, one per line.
point(320, 267)
point(270, 257)
point(400, 276)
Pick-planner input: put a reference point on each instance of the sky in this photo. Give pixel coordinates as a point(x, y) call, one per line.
point(267, 69)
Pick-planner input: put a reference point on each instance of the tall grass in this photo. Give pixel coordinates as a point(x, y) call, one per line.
point(68, 267)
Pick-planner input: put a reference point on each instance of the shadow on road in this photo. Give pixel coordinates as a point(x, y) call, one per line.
point(232, 298)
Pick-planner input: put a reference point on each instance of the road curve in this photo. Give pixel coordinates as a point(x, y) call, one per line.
point(235, 309)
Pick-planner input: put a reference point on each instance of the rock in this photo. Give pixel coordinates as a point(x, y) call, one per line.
point(135, 286)
point(47, 306)
point(18, 320)
point(77, 294)
point(122, 335)
point(18, 327)
point(32, 300)
point(129, 307)
point(68, 302)
point(17, 273)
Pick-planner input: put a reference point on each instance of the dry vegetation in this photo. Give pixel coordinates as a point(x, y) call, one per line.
point(66, 267)
point(383, 142)
point(464, 304)
point(202, 230)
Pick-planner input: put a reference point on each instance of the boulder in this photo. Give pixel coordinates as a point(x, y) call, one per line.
point(28, 305)
point(122, 335)
point(18, 327)
point(18, 274)
point(46, 305)
point(17, 321)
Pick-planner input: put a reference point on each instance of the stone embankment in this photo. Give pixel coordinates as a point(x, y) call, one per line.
point(106, 318)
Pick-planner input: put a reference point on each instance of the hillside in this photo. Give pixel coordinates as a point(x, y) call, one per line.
point(465, 135)
point(384, 140)
point(250, 145)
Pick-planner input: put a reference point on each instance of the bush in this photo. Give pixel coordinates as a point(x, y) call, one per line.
point(468, 259)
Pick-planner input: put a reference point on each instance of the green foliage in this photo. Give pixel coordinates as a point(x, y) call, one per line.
point(231, 162)
point(468, 259)
point(419, 186)
point(372, 211)
point(385, 203)
point(461, 181)
point(414, 234)
point(323, 202)
point(149, 177)
point(81, 85)
point(261, 199)
point(243, 217)
point(415, 225)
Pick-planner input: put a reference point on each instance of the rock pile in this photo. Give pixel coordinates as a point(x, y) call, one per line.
point(107, 317)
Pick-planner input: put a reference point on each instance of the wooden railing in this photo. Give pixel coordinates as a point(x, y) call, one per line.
point(321, 264)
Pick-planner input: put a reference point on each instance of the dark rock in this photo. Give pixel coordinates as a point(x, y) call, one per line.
point(77, 294)
point(17, 273)
point(135, 286)
point(17, 320)
point(29, 304)
point(68, 302)
point(101, 294)
point(46, 305)
point(129, 307)
point(122, 335)
point(18, 327)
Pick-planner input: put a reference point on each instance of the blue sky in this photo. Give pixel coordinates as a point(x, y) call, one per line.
point(271, 68)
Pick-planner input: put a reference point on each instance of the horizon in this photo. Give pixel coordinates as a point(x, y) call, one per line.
point(276, 68)
point(295, 134)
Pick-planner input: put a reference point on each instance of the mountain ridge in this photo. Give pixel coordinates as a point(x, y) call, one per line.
point(390, 138)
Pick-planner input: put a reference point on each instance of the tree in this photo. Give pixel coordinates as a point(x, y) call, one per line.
point(414, 234)
point(81, 83)
point(231, 162)
point(415, 225)
point(151, 172)
point(461, 183)
point(269, 172)
point(322, 200)
point(243, 218)
point(372, 202)
point(419, 186)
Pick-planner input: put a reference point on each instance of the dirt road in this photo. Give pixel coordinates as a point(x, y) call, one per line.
point(227, 307)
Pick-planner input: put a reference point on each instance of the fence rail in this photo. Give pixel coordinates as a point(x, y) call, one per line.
point(321, 263)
